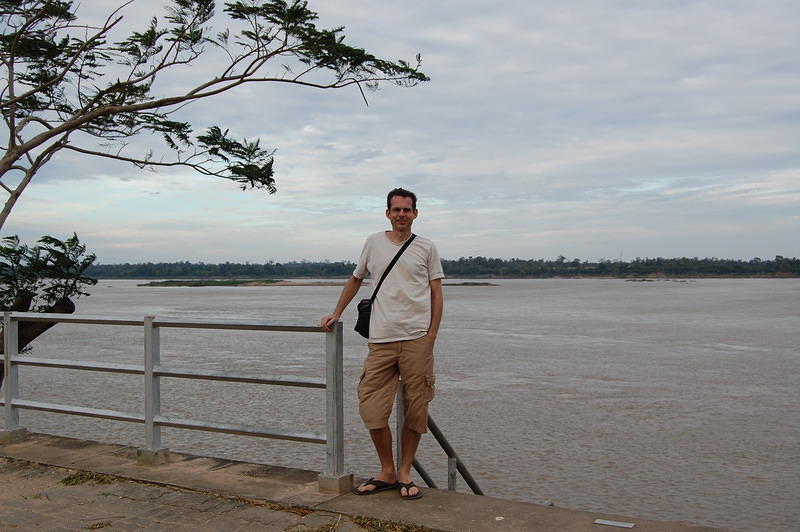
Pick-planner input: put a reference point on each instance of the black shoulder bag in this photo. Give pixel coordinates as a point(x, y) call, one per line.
point(365, 305)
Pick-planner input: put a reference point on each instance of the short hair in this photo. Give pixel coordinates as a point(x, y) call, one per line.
point(403, 193)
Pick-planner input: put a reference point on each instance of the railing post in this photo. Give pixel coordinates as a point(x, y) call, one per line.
point(334, 479)
point(450, 452)
point(452, 467)
point(400, 419)
point(12, 431)
point(153, 453)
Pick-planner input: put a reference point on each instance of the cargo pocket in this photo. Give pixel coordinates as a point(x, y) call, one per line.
point(359, 392)
point(430, 388)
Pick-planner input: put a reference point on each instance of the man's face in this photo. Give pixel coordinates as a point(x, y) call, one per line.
point(401, 214)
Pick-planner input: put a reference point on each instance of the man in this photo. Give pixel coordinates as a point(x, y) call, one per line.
point(403, 327)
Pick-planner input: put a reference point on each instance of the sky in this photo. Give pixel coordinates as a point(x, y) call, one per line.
point(596, 130)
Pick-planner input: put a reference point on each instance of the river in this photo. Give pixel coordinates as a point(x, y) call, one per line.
point(667, 400)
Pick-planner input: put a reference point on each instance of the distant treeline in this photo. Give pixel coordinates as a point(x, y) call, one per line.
point(468, 267)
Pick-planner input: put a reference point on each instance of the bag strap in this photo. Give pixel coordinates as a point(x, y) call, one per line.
point(386, 271)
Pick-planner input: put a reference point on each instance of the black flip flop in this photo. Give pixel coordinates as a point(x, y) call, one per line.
point(408, 486)
point(379, 486)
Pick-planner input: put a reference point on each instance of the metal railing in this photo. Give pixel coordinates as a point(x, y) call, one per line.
point(153, 371)
point(454, 463)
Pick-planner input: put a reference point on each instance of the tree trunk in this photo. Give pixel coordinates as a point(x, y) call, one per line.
point(29, 331)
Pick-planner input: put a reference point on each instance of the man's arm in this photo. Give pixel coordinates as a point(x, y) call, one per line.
point(349, 291)
point(437, 306)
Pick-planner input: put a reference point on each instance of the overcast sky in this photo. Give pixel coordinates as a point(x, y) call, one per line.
point(592, 129)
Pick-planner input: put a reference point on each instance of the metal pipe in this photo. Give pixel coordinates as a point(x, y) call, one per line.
point(233, 376)
point(244, 430)
point(424, 474)
point(452, 464)
point(11, 350)
point(152, 385)
point(105, 367)
point(115, 415)
point(334, 401)
point(448, 449)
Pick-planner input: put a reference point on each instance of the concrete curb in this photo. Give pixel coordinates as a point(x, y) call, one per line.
point(232, 480)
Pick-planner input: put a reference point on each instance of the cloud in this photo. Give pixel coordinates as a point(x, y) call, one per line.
point(587, 129)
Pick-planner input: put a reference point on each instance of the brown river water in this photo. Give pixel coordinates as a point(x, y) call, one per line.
point(660, 400)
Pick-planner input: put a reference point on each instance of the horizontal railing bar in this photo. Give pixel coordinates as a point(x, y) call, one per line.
point(78, 410)
point(245, 430)
point(233, 376)
point(228, 428)
point(162, 322)
point(232, 325)
point(224, 376)
point(106, 367)
point(76, 318)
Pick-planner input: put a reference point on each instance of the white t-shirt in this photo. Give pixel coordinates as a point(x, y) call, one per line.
point(402, 308)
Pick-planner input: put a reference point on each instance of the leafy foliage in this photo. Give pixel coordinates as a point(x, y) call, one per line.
point(80, 87)
point(42, 275)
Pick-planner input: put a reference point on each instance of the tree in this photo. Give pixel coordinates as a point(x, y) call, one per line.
point(42, 278)
point(70, 86)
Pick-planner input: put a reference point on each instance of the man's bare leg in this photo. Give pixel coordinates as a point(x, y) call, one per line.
point(410, 442)
point(382, 440)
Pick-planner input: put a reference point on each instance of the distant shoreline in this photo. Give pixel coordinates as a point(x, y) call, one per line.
point(194, 282)
point(238, 282)
point(468, 268)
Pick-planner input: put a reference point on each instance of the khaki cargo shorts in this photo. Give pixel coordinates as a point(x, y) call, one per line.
point(411, 360)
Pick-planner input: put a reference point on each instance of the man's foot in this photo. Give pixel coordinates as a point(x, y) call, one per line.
point(374, 485)
point(409, 491)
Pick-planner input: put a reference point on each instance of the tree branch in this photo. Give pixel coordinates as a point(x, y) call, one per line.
point(31, 118)
point(14, 195)
point(65, 70)
point(143, 163)
point(69, 83)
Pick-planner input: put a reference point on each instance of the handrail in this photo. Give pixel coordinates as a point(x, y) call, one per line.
point(233, 376)
point(153, 371)
point(185, 323)
point(105, 367)
point(451, 454)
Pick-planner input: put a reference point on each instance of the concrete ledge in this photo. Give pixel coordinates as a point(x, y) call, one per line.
point(438, 509)
point(13, 436)
point(338, 485)
point(152, 458)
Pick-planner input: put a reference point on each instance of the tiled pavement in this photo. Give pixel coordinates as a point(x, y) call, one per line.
point(33, 497)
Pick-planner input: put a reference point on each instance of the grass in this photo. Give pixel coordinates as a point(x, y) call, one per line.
point(373, 525)
point(368, 523)
point(379, 525)
point(297, 510)
point(330, 527)
point(97, 525)
point(82, 477)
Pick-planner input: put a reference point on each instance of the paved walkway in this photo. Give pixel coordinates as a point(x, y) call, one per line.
point(52, 484)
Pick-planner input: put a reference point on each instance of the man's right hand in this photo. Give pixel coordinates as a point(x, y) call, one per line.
point(327, 322)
